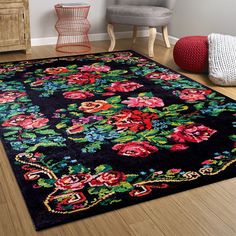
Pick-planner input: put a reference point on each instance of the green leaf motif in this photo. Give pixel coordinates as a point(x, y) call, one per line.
point(28, 135)
point(151, 110)
point(46, 183)
point(131, 177)
point(125, 139)
point(233, 137)
point(117, 72)
point(92, 147)
point(48, 144)
point(102, 168)
point(78, 169)
point(146, 94)
point(123, 187)
point(199, 105)
point(10, 133)
point(46, 131)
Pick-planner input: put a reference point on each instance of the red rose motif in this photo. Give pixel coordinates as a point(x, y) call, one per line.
point(10, 96)
point(192, 95)
point(25, 121)
point(151, 102)
point(37, 83)
point(73, 182)
point(207, 162)
point(194, 133)
point(133, 120)
point(76, 128)
point(135, 149)
point(178, 147)
point(109, 178)
point(162, 75)
point(173, 171)
point(82, 78)
point(108, 94)
point(124, 86)
point(78, 94)
point(56, 70)
point(98, 105)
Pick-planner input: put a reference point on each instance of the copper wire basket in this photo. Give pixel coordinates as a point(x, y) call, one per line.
point(72, 27)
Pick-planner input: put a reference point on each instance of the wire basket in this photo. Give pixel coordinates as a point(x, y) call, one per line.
point(72, 27)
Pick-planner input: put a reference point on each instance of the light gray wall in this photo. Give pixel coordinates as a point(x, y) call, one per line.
point(191, 17)
point(202, 17)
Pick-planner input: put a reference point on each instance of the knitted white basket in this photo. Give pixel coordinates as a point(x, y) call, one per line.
point(222, 59)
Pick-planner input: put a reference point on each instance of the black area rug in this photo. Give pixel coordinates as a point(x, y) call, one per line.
point(93, 133)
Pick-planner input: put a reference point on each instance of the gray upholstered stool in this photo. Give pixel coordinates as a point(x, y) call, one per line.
point(151, 13)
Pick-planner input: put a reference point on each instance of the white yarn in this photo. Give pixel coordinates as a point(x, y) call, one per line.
point(222, 59)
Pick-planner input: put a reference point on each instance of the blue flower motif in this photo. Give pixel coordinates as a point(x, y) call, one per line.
point(159, 124)
point(73, 161)
point(98, 134)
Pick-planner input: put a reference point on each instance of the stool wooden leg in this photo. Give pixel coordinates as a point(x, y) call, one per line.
point(135, 30)
point(165, 36)
point(110, 30)
point(152, 37)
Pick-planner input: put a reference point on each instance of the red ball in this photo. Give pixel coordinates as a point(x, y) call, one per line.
point(191, 53)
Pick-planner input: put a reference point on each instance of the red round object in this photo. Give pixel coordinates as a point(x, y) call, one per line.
point(191, 53)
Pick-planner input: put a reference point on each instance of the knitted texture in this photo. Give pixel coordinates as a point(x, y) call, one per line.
point(191, 53)
point(222, 59)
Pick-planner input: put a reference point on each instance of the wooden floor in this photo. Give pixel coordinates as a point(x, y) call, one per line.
point(209, 210)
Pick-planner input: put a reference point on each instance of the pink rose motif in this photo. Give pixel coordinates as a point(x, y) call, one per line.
point(135, 149)
point(96, 68)
point(73, 182)
point(194, 133)
point(77, 94)
point(86, 120)
point(151, 102)
point(118, 56)
point(124, 86)
point(178, 147)
point(3, 70)
point(25, 121)
point(162, 75)
point(192, 94)
point(10, 96)
point(109, 178)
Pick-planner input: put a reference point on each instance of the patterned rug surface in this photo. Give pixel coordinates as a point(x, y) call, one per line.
point(93, 133)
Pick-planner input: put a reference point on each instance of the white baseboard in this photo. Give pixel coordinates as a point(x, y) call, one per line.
point(99, 37)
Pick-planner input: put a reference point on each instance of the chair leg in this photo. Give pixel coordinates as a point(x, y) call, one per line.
point(110, 30)
point(165, 36)
point(152, 37)
point(135, 29)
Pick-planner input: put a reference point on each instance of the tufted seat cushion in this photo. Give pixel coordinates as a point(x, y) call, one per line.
point(139, 15)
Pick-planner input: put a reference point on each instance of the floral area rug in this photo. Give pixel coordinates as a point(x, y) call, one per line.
point(93, 133)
